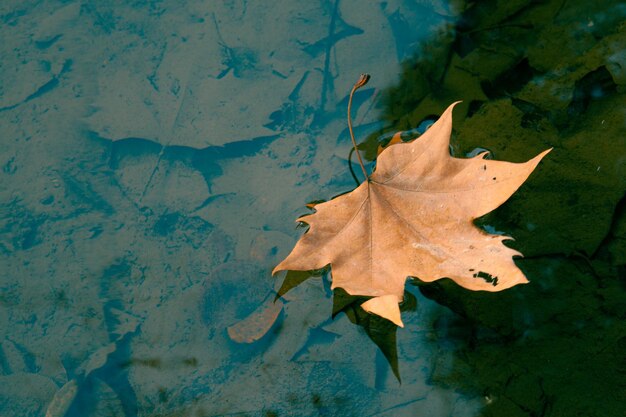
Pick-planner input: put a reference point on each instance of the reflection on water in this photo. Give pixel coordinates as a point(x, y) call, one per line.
point(156, 155)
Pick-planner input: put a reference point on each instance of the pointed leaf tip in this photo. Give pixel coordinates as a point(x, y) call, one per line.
point(385, 306)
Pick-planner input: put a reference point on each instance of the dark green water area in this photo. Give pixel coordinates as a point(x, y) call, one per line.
point(155, 155)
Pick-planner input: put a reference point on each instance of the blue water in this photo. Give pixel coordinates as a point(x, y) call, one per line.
point(155, 156)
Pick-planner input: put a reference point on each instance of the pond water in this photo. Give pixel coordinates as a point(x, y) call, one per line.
point(157, 153)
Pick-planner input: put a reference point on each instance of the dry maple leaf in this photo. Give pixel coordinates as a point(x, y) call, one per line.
point(413, 217)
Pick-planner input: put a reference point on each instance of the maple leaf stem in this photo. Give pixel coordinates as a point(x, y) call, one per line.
point(363, 79)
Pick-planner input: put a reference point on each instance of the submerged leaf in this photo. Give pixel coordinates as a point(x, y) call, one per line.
point(257, 324)
point(62, 399)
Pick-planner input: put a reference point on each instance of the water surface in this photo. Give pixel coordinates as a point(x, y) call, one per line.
point(156, 155)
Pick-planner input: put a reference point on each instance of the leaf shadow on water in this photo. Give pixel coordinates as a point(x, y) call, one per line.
point(379, 330)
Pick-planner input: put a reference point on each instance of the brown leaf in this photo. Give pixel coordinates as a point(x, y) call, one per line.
point(257, 324)
point(413, 218)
